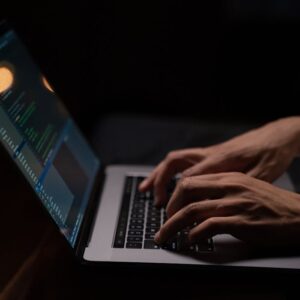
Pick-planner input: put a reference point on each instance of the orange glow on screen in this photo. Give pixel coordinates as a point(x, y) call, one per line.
point(6, 79)
point(47, 85)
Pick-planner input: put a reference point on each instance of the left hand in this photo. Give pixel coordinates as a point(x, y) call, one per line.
point(264, 153)
point(234, 203)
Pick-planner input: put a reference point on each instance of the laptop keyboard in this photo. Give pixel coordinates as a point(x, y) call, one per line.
point(139, 220)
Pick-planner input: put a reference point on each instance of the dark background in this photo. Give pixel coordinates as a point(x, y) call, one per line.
point(231, 60)
point(225, 60)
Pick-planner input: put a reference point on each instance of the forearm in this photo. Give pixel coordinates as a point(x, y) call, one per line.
point(290, 127)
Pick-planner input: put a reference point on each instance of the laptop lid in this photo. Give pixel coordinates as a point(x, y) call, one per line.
point(42, 139)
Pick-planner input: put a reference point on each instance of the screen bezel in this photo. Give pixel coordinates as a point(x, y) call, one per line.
point(84, 231)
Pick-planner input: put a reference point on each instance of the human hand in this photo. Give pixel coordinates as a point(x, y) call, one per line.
point(264, 153)
point(233, 203)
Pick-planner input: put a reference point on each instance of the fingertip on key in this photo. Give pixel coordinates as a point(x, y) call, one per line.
point(157, 238)
point(143, 185)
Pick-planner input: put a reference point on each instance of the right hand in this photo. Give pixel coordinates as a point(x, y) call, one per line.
point(251, 210)
point(264, 153)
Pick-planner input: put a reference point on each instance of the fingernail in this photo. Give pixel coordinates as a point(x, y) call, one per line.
point(157, 238)
point(142, 184)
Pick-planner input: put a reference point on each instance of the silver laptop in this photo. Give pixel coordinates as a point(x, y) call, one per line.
point(98, 210)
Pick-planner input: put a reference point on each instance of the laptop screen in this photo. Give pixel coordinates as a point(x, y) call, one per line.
point(42, 139)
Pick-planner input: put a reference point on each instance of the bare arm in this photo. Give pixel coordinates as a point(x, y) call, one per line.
point(264, 153)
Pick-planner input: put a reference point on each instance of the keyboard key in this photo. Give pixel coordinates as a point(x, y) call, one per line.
point(150, 244)
point(119, 243)
point(152, 230)
point(135, 232)
point(134, 239)
point(137, 236)
point(124, 213)
point(149, 195)
point(137, 216)
point(149, 236)
point(128, 185)
point(153, 225)
point(136, 221)
point(134, 245)
point(138, 205)
point(121, 233)
point(138, 211)
point(171, 245)
point(153, 220)
point(204, 246)
point(142, 196)
point(152, 207)
point(134, 227)
point(153, 215)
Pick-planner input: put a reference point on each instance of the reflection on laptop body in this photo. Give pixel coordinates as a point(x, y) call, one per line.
point(55, 159)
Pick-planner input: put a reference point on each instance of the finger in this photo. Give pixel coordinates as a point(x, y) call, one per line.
point(254, 172)
point(181, 158)
point(147, 183)
point(258, 170)
point(215, 164)
point(195, 212)
point(193, 189)
point(209, 165)
point(163, 177)
point(213, 226)
point(178, 160)
point(170, 167)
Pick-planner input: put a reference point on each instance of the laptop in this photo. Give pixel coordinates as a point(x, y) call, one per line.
point(98, 209)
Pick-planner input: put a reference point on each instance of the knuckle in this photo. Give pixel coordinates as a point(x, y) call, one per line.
point(180, 183)
point(222, 206)
point(236, 175)
point(241, 222)
point(184, 183)
point(213, 224)
point(226, 178)
point(171, 156)
point(236, 180)
point(190, 211)
point(242, 178)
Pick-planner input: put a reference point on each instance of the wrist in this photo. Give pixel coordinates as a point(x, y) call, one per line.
point(290, 127)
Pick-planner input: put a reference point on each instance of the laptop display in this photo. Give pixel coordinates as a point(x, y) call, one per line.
point(42, 139)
